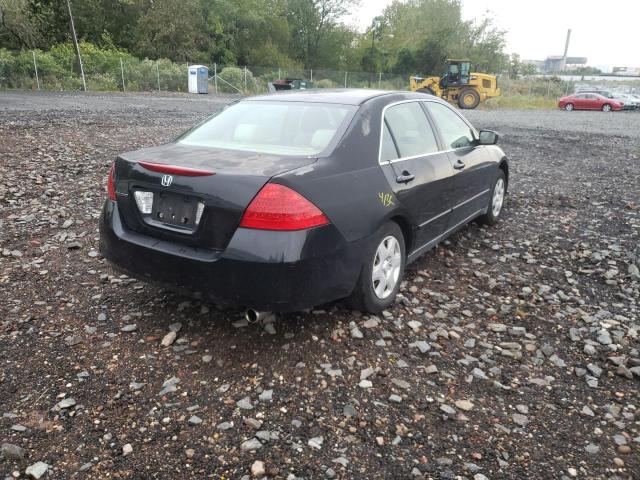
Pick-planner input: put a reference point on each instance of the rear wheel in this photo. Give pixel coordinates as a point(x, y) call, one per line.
point(606, 107)
point(382, 272)
point(496, 200)
point(468, 98)
point(427, 90)
point(568, 107)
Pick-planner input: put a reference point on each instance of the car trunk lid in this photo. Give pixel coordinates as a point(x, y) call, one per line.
point(193, 195)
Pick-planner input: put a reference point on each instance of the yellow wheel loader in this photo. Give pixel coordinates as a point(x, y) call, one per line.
point(458, 85)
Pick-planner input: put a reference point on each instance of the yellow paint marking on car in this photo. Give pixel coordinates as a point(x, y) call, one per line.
point(386, 199)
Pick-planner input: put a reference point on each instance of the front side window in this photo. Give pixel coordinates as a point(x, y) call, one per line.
point(271, 127)
point(455, 132)
point(411, 129)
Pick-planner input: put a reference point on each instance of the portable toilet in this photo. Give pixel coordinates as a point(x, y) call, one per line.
point(198, 79)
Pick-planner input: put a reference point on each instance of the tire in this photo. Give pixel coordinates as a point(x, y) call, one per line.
point(427, 90)
point(493, 208)
point(606, 107)
point(468, 99)
point(569, 107)
point(372, 295)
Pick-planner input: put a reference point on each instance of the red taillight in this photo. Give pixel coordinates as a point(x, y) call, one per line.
point(277, 207)
point(175, 169)
point(111, 187)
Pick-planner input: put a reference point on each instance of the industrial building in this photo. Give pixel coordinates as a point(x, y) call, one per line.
point(626, 71)
point(559, 63)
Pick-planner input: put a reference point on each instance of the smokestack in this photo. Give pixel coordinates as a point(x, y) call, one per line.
point(566, 50)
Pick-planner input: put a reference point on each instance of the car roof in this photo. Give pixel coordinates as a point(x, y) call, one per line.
point(344, 96)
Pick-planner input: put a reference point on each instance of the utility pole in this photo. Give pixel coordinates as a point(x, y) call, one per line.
point(75, 44)
point(35, 67)
point(375, 25)
point(563, 67)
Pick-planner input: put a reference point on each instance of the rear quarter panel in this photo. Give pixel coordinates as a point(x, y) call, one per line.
point(349, 185)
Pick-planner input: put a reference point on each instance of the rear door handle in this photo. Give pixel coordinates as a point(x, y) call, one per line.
point(405, 177)
point(459, 165)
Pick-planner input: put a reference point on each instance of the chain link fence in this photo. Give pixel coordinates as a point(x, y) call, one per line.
point(256, 79)
point(106, 71)
point(38, 70)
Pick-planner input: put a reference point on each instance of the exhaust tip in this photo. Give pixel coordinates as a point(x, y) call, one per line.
point(254, 316)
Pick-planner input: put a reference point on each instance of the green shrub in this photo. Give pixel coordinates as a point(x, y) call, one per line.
point(325, 83)
point(525, 102)
point(57, 71)
point(103, 82)
point(235, 76)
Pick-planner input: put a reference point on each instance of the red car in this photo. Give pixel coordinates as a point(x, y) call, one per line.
point(589, 101)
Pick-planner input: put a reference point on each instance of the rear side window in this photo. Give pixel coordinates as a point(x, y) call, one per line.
point(411, 129)
point(455, 132)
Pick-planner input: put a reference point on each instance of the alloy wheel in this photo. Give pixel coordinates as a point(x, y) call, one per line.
point(498, 197)
point(386, 267)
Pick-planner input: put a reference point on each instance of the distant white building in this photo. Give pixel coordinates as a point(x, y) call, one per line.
point(557, 63)
point(631, 71)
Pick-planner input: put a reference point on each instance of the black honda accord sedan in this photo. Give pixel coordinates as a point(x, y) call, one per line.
point(286, 201)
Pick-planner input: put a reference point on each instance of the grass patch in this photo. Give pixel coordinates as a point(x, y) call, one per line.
point(521, 102)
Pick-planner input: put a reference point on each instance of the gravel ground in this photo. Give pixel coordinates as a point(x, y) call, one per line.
point(512, 351)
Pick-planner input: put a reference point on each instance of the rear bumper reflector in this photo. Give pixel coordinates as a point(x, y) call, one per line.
point(175, 169)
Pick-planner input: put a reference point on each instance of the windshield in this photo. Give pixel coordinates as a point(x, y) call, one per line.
point(272, 127)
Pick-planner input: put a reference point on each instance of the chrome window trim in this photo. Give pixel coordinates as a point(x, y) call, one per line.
point(436, 134)
point(384, 110)
point(446, 105)
point(422, 156)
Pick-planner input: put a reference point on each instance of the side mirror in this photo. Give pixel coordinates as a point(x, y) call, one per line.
point(487, 137)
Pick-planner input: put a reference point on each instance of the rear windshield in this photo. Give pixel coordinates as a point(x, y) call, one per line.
point(271, 127)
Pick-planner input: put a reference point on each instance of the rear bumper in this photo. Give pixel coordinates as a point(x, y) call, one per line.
point(264, 270)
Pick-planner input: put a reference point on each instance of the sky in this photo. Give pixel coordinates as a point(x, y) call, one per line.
point(606, 33)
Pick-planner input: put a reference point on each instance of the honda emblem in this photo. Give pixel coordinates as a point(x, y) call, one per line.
point(166, 180)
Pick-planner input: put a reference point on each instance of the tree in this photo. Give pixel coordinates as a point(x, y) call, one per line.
point(514, 65)
point(17, 30)
point(170, 29)
point(431, 30)
point(485, 45)
point(253, 32)
point(528, 69)
point(427, 32)
point(406, 61)
point(311, 22)
point(409, 37)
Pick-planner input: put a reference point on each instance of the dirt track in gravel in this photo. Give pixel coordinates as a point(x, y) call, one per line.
point(532, 326)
